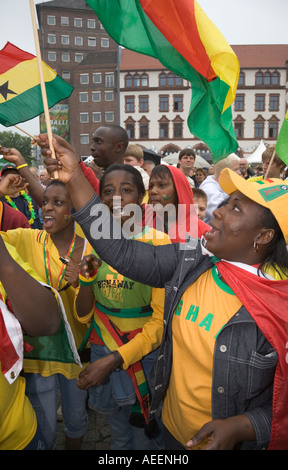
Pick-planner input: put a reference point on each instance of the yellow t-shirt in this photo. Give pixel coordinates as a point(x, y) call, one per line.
point(30, 246)
point(17, 418)
point(204, 309)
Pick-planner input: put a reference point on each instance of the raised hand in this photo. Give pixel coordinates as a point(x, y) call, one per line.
point(12, 184)
point(12, 155)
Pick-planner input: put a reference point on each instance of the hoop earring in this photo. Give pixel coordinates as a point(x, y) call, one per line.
point(255, 246)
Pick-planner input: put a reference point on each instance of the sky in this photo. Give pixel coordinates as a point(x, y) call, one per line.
point(240, 21)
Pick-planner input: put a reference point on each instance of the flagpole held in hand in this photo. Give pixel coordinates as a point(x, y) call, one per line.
point(42, 83)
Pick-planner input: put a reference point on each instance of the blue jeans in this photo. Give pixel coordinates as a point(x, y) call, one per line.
point(114, 399)
point(42, 393)
point(38, 442)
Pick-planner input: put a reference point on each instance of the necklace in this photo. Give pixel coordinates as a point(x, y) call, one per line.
point(47, 262)
point(29, 204)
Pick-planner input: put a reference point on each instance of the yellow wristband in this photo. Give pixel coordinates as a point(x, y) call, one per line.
point(21, 166)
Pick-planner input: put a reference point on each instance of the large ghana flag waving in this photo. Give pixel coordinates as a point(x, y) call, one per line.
point(20, 90)
point(186, 42)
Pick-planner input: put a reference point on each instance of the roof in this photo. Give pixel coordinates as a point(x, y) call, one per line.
point(70, 4)
point(266, 55)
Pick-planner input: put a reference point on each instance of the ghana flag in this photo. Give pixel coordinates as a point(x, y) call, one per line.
point(282, 142)
point(20, 91)
point(186, 42)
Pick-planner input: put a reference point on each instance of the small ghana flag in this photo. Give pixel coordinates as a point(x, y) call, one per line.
point(282, 142)
point(20, 91)
point(186, 42)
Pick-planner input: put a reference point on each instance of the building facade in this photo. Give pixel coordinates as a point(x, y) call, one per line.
point(117, 86)
point(155, 103)
point(75, 44)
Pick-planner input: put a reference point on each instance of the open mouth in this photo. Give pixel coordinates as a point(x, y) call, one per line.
point(48, 221)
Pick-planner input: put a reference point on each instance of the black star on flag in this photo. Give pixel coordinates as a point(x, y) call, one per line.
point(4, 91)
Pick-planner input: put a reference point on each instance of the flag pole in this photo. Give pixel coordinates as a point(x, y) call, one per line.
point(21, 130)
point(42, 82)
point(269, 166)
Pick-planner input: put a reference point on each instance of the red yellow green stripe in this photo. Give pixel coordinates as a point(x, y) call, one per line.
point(186, 42)
point(20, 91)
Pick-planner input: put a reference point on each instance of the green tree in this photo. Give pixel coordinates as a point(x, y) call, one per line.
point(17, 141)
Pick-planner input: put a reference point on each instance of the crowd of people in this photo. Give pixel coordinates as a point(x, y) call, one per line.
point(154, 294)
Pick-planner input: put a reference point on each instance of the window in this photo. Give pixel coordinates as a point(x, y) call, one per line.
point(84, 78)
point(91, 24)
point(267, 78)
point(274, 103)
point(130, 129)
point(109, 95)
point(259, 102)
point(164, 103)
point(66, 75)
point(162, 79)
point(164, 133)
point(171, 77)
point(144, 130)
point(109, 80)
point(78, 22)
point(128, 80)
point(104, 42)
point(96, 96)
point(51, 20)
point(83, 96)
point(84, 139)
point(259, 78)
point(109, 116)
point(129, 104)
point(275, 78)
point(96, 117)
point(144, 79)
point(178, 81)
point(84, 118)
point(51, 38)
point(136, 80)
point(239, 129)
point(97, 78)
point(143, 104)
point(65, 57)
point(178, 130)
point(259, 129)
point(78, 41)
point(78, 57)
point(178, 103)
point(273, 129)
point(239, 103)
point(241, 80)
point(64, 21)
point(65, 39)
point(51, 56)
point(92, 42)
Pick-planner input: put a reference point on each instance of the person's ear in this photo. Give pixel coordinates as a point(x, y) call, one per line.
point(265, 236)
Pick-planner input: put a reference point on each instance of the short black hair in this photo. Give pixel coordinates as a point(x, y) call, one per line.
point(137, 178)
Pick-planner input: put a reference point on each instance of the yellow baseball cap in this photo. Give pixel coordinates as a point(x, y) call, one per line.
point(271, 193)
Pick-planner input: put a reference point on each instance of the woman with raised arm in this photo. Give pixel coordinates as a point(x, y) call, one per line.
point(228, 391)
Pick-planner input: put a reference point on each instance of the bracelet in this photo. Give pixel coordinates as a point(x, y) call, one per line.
point(119, 361)
point(87, 281)
point(21, 166)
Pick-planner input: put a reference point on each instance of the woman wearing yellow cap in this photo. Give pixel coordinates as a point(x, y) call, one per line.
point(222, 367)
